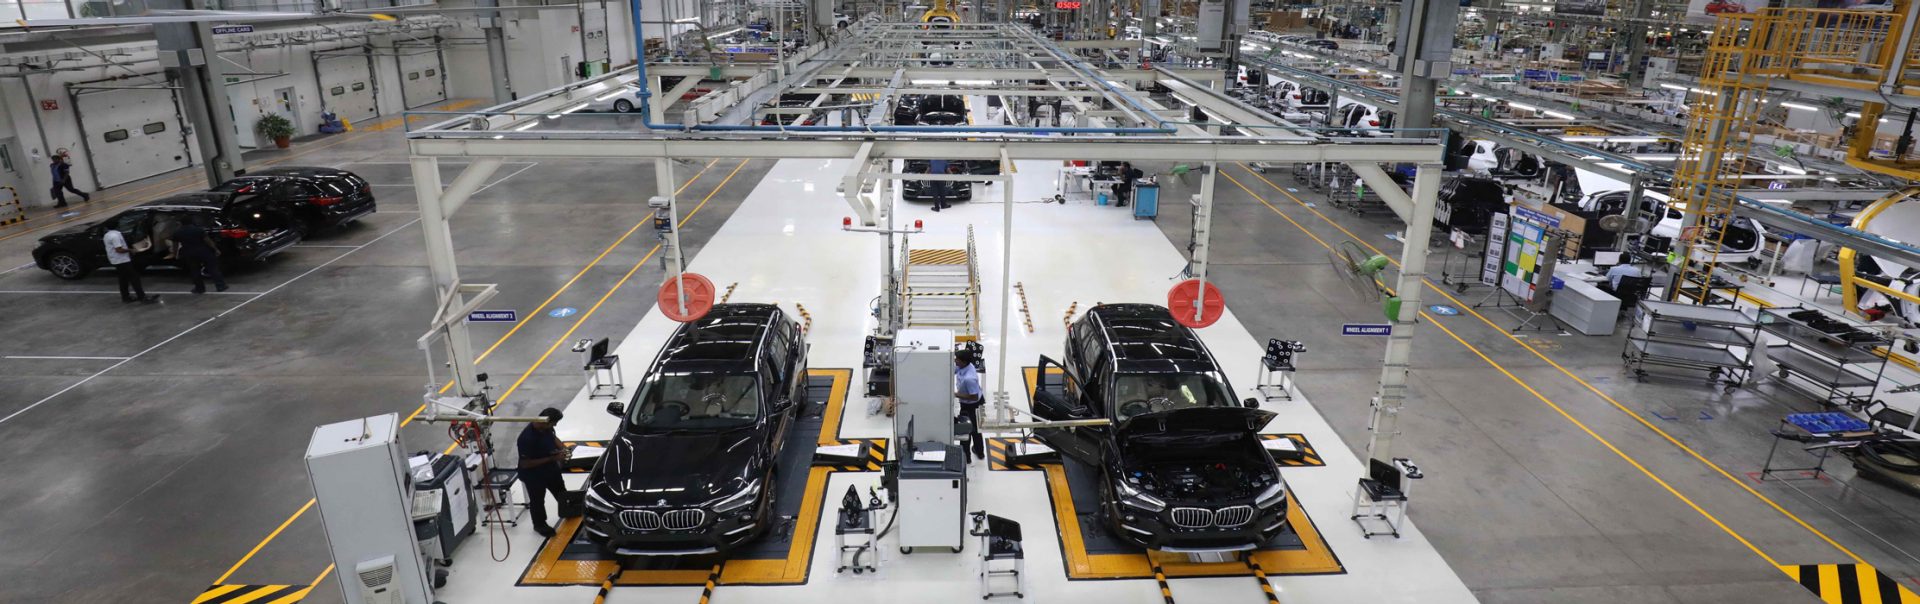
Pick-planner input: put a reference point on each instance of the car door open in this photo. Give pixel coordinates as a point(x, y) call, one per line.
point(1056, 397)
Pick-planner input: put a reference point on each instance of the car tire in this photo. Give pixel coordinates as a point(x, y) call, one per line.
point(623, 106)
point(67, 266)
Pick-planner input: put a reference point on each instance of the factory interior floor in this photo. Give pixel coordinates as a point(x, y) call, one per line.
point(157, 449)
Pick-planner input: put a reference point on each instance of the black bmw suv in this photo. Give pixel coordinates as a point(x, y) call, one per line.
point(1182, 467)
point(692, 468)
point(244, 227)
point(319, 198)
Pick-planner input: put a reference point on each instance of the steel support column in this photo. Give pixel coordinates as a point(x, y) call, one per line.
point(186, 50)
point(496, 38)
point(671, 259)
point(1387, 401)
point(436, 208)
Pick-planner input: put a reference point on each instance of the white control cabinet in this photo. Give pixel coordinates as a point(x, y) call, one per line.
point(923, 384)
point(360, 482)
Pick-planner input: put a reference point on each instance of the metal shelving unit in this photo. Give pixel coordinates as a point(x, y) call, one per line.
point(1824, 357)
point(1716, 340)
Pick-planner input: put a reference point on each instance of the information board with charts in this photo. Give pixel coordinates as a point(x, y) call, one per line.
point(1526, 235)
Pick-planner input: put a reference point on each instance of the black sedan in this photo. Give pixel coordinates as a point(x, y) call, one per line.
point(318, 198)
point(927, 190)
point(244, 227)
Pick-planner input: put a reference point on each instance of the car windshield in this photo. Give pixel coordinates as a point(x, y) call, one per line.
point(695, 401)
point(1143, 393)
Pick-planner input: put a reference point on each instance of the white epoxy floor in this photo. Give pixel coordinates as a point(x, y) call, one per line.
point(785, 245)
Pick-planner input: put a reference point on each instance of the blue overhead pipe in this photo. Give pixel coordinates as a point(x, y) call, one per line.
point(640, 57)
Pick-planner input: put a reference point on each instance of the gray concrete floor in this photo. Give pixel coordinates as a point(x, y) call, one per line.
point(145, 478)
point(1546, 477)
point(147, 473)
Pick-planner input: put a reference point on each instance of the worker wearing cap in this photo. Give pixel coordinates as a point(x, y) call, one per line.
point(541, 455)
point(966, 382)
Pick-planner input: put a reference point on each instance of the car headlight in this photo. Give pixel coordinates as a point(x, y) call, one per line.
point(738, 500)
point(1274, 495)
point(598, 503)
point(1139, 499)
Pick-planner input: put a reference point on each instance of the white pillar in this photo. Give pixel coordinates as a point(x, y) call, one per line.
point(436, 208)
point(1413, 268)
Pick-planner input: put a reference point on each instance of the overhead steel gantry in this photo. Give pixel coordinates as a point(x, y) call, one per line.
point(1122, 123)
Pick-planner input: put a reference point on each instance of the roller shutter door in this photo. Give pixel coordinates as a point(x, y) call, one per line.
point(346, 86)
point(421, 80)
point(131, 133)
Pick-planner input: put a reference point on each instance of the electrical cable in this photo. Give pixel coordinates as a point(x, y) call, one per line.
point(469, 434)
point(883, 533)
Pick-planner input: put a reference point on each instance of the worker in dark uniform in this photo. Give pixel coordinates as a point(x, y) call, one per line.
point(196, 252)
point(541, 455)
point(966, 389)
point(1123, 190)
point(63, 180)
point(940, 188)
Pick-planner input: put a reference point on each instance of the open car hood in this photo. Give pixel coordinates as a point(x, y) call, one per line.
point(1210, 419)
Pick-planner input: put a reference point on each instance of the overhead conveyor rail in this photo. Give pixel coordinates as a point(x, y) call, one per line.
point(1593, 159)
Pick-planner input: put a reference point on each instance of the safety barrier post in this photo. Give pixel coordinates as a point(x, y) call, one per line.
point(19, 214)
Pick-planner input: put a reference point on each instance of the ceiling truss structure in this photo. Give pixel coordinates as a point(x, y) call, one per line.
point(1112, 117)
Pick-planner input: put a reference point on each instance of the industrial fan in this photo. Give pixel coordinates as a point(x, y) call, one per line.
point(1361, 271)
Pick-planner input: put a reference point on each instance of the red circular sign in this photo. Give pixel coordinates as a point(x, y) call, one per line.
point(700, 296)
point(1181, 299)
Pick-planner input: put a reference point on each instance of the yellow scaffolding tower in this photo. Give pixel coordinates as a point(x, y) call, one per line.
point(1745, 55)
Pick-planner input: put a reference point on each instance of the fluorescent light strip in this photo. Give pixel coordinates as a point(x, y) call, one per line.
point(1798, 106)
point(573, 108)
point(525, 127)
point(1558, 115)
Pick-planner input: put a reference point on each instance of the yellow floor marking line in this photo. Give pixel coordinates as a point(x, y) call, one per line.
point(1602, 440)
point(1564, 371)
point(1850, 584)
point(616, 287)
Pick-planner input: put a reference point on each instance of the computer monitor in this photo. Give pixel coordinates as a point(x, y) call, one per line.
point(1606, 259)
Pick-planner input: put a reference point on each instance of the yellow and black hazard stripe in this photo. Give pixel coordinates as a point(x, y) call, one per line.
point(253, 594)
point(607, 585)
point(936, 257)
point(876, 454)
point(1001, 450)
point(1308, 456)
point(713, 578)
point(1266, 587)
point(1850, 584)
point(1160, 576)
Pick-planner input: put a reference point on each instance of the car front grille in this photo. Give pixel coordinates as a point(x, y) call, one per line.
point(679, 520)
point(640, 520)
point(1232, 517)
point(1192, 517)
point(1199, 518)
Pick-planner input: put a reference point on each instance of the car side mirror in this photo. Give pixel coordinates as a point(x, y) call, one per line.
point(1251, 403)
point(782, 405)
point(619, 409)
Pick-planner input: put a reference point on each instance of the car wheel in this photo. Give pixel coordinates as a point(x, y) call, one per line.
point(66, 266)
point(623, 106)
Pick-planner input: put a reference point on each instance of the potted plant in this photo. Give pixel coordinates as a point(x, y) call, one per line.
point(276, 127)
